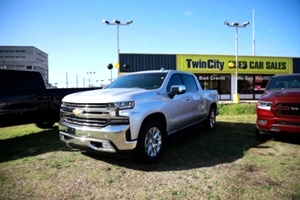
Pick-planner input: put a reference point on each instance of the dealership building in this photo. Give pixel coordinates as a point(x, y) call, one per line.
point(217, 71)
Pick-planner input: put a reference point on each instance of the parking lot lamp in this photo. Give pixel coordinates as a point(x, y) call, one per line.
point(117, 23)
point(236, 97)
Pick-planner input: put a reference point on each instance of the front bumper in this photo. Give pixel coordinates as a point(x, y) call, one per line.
point(109, 139)
point(267, 125)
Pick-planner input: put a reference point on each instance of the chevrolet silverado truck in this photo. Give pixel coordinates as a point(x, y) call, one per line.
point(136, 113)
point(278, 109)
point(24, 99)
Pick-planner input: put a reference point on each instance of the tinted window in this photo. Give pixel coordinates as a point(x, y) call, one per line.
point(20, 80)
point(189, 82)
point(174, 80)
point(285, 82)
point(147, 81)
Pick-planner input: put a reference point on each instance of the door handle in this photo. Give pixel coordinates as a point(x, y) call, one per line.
point(187, 99)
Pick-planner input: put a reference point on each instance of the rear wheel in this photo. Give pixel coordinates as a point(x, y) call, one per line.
point(151, 142)
point(211, 119)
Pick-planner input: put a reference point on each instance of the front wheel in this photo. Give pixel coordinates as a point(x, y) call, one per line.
point(211, 119)
point(151, 142)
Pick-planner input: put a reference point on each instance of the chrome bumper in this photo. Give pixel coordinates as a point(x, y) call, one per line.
point(108, 139)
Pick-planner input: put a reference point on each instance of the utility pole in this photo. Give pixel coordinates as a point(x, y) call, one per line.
point(253, 39)
point(67, 80)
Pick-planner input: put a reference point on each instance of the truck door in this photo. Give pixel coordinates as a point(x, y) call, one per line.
point(196, 99)
point(180, 105)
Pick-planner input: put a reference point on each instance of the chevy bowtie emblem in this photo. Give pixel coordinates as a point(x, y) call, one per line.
point(77, 111)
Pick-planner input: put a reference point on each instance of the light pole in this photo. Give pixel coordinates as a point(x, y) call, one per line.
point(236, 97)
point(117, 23)
point(110, 66)
point(90, 79)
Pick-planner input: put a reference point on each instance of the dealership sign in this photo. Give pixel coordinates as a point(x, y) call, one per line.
point(227, 64)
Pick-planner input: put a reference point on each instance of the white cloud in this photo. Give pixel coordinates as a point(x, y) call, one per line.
point(188, 13)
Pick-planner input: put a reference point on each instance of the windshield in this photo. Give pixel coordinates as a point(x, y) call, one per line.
point(286, 82)
point(148, 81)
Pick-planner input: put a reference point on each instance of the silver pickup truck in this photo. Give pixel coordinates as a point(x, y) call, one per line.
point(136, 113)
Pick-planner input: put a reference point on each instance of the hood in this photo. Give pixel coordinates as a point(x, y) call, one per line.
point(105, 95)
point(292, 94)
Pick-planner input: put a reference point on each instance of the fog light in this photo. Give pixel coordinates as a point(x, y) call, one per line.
point(275, 128)
point(105, 145)
point(262, 122)
point(62, 137)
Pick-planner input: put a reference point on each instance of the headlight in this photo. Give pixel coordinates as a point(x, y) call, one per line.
point(265, 105)
point(122, 105)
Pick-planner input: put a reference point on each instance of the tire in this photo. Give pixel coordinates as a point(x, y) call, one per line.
point(43, 125)
point(151, 142)
point(211, 119)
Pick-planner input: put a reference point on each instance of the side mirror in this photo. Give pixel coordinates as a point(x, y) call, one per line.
point(177, 89)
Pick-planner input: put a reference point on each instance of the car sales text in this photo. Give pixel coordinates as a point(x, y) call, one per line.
point(217, 64)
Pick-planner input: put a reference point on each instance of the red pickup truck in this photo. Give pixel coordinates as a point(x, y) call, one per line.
point(278, 109)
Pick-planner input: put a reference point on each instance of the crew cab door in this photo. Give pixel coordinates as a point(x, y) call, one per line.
point(180, 106)
point(196, 98)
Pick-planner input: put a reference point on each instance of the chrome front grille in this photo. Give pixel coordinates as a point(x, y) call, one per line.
point(92, 115)
point(85, 121)
point(86, 105)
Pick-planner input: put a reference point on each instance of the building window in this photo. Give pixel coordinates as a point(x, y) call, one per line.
point(218, 82)
point(252, 86)
point(245, 84)
point(260, 83)
point(248, 84)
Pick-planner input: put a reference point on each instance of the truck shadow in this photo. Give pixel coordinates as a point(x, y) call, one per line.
point(30, 145)
point(196, 148)
point(192, 148)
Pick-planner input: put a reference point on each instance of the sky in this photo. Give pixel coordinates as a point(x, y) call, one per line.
point(78, 42)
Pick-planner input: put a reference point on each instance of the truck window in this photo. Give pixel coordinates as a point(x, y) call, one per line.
point(189, 83)
point(147, 81)
point(284, 82)
point(21, 81)
point(174, 80)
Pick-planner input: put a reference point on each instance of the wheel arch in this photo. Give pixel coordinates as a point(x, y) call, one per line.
point(214, 105)
point(146, 146)
point(160, 117)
